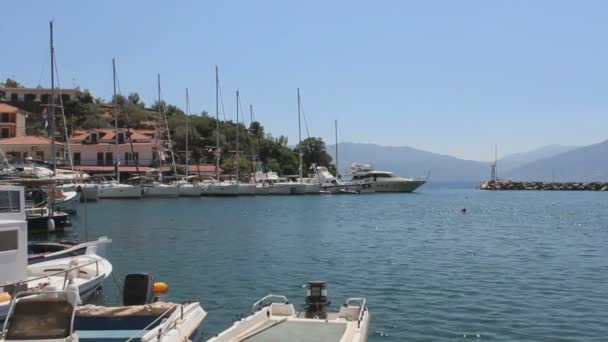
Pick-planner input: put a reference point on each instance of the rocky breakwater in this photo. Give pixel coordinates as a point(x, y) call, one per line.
point(504, 184)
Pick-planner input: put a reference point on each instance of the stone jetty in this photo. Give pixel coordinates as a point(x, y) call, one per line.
point(505, 184)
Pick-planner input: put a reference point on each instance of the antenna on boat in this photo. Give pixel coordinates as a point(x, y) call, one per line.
point(187, 127)
point(238, 157)
point(114, 104)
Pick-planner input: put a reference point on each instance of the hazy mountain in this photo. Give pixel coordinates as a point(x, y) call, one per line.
point(408, 161)
point(515, 160)
point(589, 163)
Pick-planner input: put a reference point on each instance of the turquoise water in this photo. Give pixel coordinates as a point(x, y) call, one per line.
point(517, 266)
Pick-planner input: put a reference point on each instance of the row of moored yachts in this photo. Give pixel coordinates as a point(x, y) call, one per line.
point(45, 287)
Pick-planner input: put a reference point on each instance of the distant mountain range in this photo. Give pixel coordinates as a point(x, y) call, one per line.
point(568, 163)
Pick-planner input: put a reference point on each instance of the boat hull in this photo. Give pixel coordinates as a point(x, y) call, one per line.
point(161, 191)
point(273, 190)
point(399, 186)
point(189, 190)
point(39, 224)
point(306, 189)
point(121, 192)
point(247, 189)
point(69, 203)
point(222, 190)
point(89, 192)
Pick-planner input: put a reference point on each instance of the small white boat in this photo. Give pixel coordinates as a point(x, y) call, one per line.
point(41, 251)
point(66, 201)
point(114, 189)
point(89, 191)
point(275, 319)
point(57, 316)
point(84, 273)
point(161, 190)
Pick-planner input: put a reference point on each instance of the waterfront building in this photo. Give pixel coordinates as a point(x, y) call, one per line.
point(12, 121)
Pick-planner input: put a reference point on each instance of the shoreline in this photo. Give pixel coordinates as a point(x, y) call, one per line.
point(505, 184)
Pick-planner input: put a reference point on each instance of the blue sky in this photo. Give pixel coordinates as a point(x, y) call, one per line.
point(452, 77)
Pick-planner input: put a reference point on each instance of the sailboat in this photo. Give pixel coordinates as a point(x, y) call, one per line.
point(303, 186)
point(114, 189)
point(185, 188)
point(217, 187)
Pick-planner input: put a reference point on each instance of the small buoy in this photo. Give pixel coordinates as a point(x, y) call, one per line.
point(50, 225)
point(160, 287)
point(5, 297)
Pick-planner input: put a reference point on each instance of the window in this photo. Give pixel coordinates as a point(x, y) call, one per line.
point(6, 117)
point(76, 158)
point(120, 137)
point(9, 240)
point(30, 97)
point(94, 137)
point(109, 158)
point(6, 133)
point(99, 158)
point(40, 155)
point(14, 98)
point(10, 202)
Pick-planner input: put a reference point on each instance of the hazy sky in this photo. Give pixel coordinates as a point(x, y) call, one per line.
point(452, 77)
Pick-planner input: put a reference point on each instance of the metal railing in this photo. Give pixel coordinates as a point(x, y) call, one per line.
point(362, 307)
point(269, 299)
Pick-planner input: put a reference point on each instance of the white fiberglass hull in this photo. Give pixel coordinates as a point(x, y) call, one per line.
point(189, 190)
point(306, 188)
point(89, 192)
point(247, 189)
point(396, 186)
point(161, 190)
point(223, 189)
point(120, 191)
point(69, 202)
point(274, 189)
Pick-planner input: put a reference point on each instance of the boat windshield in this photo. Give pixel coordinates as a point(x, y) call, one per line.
point(35, 318)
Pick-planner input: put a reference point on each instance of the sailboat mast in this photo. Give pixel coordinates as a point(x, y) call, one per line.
point(238, 156)
point(114, 104)
point(164, 117)
point(52, 111)
point(187, 127)
point(299, 138)
point(217, 124)
point(337, 169)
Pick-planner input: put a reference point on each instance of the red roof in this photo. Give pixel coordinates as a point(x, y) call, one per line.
point(95, 168)
point(4, 108)
point(27, 140)
point(108, 134)
point(193, 168)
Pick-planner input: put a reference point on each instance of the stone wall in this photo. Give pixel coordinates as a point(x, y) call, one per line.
point(503, 184)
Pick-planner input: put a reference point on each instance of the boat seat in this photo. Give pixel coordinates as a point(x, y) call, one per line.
point(277, 309)
point(40, 319)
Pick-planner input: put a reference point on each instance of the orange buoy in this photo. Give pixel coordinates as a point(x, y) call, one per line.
point(160, 287)
point(5, 297)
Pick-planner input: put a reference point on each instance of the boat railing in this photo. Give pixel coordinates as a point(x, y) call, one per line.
point(269, 299)
point(170, 324)
point(67, 271)
point(362, 304)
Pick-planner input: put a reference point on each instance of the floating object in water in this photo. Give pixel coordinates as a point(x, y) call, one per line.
point(160, 287)
point(463, 210)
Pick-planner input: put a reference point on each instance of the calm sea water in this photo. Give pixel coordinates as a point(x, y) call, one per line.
point(517, 266)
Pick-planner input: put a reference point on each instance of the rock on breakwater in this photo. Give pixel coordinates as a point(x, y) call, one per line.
point(505, 184)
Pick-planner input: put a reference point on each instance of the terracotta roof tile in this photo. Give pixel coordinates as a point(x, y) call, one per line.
point(27, 140)
point(5, 108)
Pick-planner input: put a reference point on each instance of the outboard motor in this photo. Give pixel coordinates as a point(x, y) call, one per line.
point(316, 299)
point(137, 289)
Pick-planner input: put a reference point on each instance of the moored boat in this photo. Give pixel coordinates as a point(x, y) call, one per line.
point(275, 319)
point(372, 180)
point(116, 190)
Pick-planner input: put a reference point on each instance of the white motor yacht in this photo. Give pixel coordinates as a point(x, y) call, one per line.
point(113, 189)
point(372, 180)
point(275, 319)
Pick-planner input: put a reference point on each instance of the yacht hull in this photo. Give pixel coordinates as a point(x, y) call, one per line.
point(223, 190)
point(117, 192)
point(189, 190)
point(161, 191)
point(400, 186)
point(247, 189)
point(273, 190)
point(89, 192)
point(306, 189)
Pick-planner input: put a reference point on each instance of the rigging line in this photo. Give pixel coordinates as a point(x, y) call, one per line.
point(65, 125)
point(219, 88)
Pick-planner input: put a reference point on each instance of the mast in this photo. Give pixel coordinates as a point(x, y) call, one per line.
point(238, 157)
point(187, 127)
point(253, 157)
point(299, 138)
point(337, 169)
point(52, 112)
point(114, 104)
point(164, 117)
point(217, 125)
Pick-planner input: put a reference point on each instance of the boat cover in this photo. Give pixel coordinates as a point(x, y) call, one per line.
point(154, 309)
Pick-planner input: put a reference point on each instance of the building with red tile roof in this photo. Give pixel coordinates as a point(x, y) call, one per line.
point(12, 121)
point(36, 147)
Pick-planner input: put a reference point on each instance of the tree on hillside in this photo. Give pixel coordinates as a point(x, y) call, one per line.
point(134, 98)
point(314, 152)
